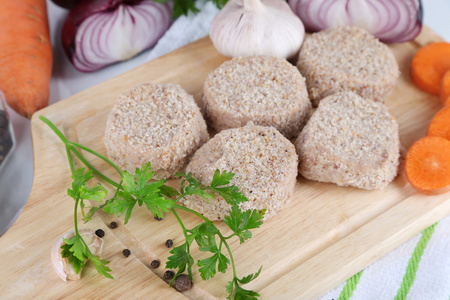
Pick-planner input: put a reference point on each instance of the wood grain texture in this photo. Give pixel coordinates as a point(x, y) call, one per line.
point(324, 236)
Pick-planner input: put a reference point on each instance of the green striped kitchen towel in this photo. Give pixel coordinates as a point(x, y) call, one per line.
point(417, 270)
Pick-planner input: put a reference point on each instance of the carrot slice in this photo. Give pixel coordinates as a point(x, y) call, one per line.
point(447, 101)
point(427, 165)
point(429, 66)
point(445, 88)
point(440, 124)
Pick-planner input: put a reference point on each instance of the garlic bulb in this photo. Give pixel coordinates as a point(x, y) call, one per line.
point(61, 265)
point(257, 27)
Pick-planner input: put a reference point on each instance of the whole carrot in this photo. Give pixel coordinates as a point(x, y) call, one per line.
point(25, 54)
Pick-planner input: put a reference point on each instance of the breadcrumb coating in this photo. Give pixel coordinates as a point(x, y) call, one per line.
point(160, 123)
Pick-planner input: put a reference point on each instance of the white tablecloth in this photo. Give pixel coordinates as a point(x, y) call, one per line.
point(382, 280)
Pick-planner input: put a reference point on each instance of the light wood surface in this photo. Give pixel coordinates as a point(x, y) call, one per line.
point(324, 236)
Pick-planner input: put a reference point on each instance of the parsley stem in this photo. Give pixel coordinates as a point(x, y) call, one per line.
point(191, 211)
point(55, 129)
point(92, 168)
point(70, 146)
point(104, 158)
point(229, 252)
point(179, 221)
point(222, 238)
point(179, 198)
point(69, 158)
point(185, 236)
point(75, 221)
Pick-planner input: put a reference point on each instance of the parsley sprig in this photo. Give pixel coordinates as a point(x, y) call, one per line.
point(160, 199)
point(182, 7)
point(75, 249)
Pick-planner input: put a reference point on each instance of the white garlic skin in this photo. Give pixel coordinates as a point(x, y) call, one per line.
point(61, 265)
point(257, 27)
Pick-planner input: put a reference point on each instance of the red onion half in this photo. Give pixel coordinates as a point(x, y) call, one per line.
point(97, 33)
point(392, 21)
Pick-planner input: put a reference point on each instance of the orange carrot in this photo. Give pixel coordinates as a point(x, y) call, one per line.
point(25, 54)
point(429, 66)
point(445, 89)
point(447, 101)
point(427, 165)
point(440, 124)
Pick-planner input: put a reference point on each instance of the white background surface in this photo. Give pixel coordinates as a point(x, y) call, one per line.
point(17, 176)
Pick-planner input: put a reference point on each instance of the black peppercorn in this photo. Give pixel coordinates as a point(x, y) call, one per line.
point(126, 252)
point(168, 275)
point(155, 264)
point(169, 243)
point(183, 283)
point(113, 225)
point(100, 233)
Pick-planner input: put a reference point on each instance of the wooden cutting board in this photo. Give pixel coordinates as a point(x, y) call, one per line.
point(324, 236)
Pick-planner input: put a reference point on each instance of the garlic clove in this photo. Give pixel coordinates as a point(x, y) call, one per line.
point(61, 265)
point(257, 27)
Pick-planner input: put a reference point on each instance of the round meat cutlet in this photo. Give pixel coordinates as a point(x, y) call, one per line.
point(349, 141)
point(347, 59)
point(264, 163)
point(157, 123)
point(266, 90)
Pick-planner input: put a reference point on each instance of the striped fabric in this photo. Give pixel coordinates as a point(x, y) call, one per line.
point(417, 270)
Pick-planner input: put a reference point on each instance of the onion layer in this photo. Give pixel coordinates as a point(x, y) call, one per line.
point(98, 33)
point(391, 21)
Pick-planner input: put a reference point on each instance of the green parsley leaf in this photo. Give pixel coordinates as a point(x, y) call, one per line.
point(190, 236)
point(243, 294)
point(151, 188)
point(168, 191)
point(205, 237)
point(77, 247)
point(241, 222)
point(194, 187)
point(87, 217)
point(95, 193)
point(223, 178)
point(182, 7)
point(100, 265)
point(223, 263)
point(252, 218)
point(231, 193)
point(230, 288)
point(74, 261)
point(79, 180)
point(157, 204)
point(239, 292)
point(143, 176)
point(209, 265)
point(124, 202)
point(128, 183)
point(248, 278)
point(220, 3)
point(142, 191)
point(179, 259)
